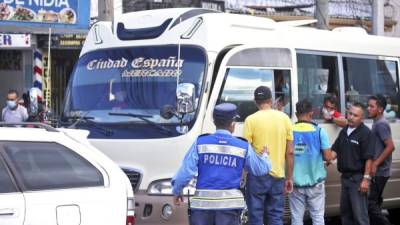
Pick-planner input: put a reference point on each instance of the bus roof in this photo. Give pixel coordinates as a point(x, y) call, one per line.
point(215, 31)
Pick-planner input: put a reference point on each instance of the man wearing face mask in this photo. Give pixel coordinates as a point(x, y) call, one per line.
point(13, 112)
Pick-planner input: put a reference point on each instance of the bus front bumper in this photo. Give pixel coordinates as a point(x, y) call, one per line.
point(159, 209)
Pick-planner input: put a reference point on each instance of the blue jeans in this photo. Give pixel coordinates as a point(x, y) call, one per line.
point(265, 194)
point(215, 217)
point(311, 197)
point(353, 203)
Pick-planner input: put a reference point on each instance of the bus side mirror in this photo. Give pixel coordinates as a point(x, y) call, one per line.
point(185, 98)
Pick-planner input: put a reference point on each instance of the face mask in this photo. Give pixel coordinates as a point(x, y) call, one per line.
point(11, 104)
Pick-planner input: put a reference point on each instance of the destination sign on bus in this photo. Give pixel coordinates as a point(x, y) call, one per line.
point(140, 67)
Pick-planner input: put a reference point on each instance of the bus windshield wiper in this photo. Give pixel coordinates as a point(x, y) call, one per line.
point(143, 118)
point(89, 120)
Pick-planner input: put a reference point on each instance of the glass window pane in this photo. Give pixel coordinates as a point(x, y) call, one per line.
point(317, 79)
point(138, 80)
point(240, 84)
point(262, 57)
point(283, 96)
point(6, 184)
point(366, 77)
point(51, 166)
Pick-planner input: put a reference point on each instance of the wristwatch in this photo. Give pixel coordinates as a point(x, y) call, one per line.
point(366, 176)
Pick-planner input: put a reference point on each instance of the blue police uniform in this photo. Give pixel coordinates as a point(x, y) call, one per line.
point(218, 161)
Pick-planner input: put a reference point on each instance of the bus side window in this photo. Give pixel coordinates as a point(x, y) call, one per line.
point(240, 83)
point(282, 91)
point(365, 77)
point(317, 78)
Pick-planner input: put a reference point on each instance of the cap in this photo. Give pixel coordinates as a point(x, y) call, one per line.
point(262, 93)
point(225, 112)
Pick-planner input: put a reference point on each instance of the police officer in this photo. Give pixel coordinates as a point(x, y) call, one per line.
point(218, 161)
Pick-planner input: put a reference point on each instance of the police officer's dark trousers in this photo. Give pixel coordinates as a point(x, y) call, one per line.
point(215, 217)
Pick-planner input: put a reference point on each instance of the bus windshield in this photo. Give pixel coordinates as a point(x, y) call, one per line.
point(136, 80)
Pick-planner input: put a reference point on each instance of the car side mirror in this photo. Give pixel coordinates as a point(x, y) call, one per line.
point(185, 98)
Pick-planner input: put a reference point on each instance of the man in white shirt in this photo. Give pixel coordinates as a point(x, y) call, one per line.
point(13, 112)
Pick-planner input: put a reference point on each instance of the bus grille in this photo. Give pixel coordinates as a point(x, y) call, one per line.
point(134, 177)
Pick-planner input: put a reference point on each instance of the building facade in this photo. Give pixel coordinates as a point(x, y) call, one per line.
point(25, 30)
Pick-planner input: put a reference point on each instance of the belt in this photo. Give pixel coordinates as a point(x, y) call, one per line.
point(217, 199)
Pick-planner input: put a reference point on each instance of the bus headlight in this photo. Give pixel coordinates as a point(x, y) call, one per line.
point(160, 187)
point(164, 187)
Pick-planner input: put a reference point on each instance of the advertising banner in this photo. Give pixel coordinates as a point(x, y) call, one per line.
point(48, 11)
point(37, 16)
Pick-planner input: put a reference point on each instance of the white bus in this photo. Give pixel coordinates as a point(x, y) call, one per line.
point(146, 84)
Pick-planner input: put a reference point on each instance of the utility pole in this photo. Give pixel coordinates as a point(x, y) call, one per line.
point(378, 17)
point(106, 10)
point(322, 14)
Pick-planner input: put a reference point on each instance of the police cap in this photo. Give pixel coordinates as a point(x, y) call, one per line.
point(225, 112)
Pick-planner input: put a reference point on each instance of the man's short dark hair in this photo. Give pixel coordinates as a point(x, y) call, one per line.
point(12, 91)
point(359, 105)
point(380, 100)
point(222, 124)
point(332, 99)
point(304, 106)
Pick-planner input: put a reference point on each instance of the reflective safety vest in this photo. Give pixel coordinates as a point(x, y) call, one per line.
point(217, 199)
point(220, 167)
point(309, 168)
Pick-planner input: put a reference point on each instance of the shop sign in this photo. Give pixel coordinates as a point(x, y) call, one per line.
point(40, 11)
point(15, 40)
point(72, 41)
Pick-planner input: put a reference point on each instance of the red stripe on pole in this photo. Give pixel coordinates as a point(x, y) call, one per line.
point(38, 70)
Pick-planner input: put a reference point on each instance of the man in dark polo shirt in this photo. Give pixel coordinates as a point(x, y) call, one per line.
point(355, 150)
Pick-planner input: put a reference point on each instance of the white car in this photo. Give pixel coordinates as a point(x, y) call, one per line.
point(54, 176)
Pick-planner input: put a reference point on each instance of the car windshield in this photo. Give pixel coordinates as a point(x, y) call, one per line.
point(134, 80)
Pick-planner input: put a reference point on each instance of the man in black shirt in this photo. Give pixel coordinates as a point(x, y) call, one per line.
point(354, 159)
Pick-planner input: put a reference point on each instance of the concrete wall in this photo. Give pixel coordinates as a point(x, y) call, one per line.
point(395, 13)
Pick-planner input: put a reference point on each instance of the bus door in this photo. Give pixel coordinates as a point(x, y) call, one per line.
point(242, 70)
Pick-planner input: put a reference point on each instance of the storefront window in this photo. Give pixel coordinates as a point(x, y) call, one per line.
point(10, 60)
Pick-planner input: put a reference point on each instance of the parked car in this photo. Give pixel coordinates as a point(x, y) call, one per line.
point(54, 176)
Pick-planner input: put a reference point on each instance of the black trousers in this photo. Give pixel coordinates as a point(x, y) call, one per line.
point(375, 201)
point(353, 203)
